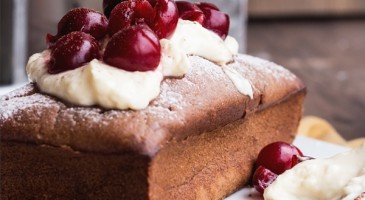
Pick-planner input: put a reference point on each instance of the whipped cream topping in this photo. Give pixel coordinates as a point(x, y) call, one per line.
point(192, 38)
point(242, 84)
point(341, 177)
point(196, 40)
point(97, 83)
point(172, 55)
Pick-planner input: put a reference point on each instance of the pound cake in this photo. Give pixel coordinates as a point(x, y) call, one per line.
point(197, 137)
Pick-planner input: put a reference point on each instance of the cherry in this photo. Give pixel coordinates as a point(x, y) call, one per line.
point(207, 5)
point(190, 11)
point(72, 51)
point(152, 2)
point(166, 18)
point(135, 48)
point(80, 19)
point(161, 18)
point(128, 13)
point(108, 6)
point(262, 178)
point(121, 17)
point(273, 160)
point(215, 20)
point(278, 157)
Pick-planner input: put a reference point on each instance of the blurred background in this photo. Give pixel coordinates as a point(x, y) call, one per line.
point(322, 41)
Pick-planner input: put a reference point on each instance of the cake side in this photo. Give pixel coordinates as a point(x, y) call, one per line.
point(214, 164)
point(31, 171)
point(204, 100)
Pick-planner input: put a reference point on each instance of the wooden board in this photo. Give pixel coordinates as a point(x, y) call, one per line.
point(281, 8)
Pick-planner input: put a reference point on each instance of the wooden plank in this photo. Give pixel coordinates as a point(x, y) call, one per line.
point(267, 8)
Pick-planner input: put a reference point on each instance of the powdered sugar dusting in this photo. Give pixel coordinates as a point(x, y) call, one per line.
point(168, 96)
point(276, 71)
point(9, 109)
point(25, 90)
point(171, 99)
point(203, 66)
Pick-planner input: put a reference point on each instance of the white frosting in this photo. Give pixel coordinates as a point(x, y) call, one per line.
point(97, 83)
point(339, 177)
point(355, 186)
point(172, 55)
point(193, 39)
point(242, 84)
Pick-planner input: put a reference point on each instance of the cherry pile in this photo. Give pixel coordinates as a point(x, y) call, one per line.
point(273, 160)
point(207, 14)
point(80, 19)
point(132, 28)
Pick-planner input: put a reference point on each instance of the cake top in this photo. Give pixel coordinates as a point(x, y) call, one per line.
point(203, 100)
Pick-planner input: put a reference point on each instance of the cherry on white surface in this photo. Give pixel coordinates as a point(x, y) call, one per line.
point(309, 147)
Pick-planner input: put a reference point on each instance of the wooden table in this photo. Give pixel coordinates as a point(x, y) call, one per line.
point(329, 56)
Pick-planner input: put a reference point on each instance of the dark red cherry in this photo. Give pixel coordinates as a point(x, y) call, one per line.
point(262, 178)
point(190, 11)
point(121, 17)
point(80, 19)
point(153, 2)
point(72, 51)
point(108, 6)
point(207, 5)
point(215, 20)
point(166, 18)
point(136, 48)
point(278, 157)
point(129, 13)
point(161, 18)
point(273, 160)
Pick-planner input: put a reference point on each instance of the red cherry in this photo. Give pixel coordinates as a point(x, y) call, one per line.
point(72, 51)
point(129, 13)
point(278, 157)
point(161, 18)
point(207, 5)
point(190, 11)
point(121, 17)
point(215, 20)
point(136, 48)
point(152, 2)
point(80, 19)
point(262, 178)
point(166, 18)
point(108, 6)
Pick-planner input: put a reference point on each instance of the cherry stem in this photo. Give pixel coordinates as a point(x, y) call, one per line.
point(304, 158)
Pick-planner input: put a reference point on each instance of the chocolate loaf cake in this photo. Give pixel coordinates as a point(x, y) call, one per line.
point(197, 140)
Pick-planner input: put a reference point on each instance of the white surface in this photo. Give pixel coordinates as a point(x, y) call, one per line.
point(309, 147)
point(316, 148)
